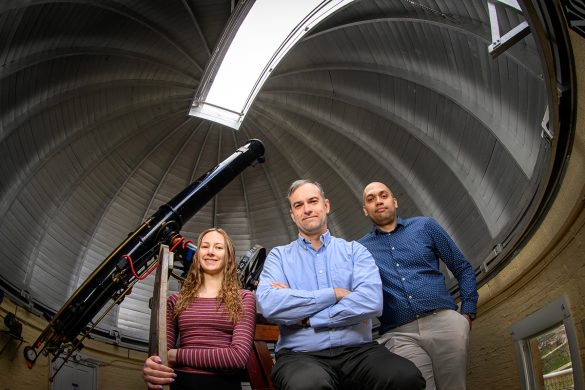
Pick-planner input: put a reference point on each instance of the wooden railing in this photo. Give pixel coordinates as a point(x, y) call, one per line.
point(559, 380)
point(260, 362)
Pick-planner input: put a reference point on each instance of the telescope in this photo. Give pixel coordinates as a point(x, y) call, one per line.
point(135, 258)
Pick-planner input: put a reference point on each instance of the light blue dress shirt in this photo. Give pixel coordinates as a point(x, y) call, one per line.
point(311, 276)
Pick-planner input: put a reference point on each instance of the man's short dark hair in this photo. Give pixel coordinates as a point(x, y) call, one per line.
point(298, 183)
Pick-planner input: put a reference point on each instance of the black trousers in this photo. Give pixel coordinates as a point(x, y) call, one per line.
point(186, 381)
point(367, 367)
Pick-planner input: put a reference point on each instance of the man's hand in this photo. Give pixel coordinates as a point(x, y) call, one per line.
point(468, 320)
point(156, 374)
point(304, 322)
point(340, 293)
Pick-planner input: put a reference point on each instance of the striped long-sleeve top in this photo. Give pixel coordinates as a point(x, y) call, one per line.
point(209, 342)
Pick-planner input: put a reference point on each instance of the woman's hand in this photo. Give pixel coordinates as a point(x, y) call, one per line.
point(156, 374)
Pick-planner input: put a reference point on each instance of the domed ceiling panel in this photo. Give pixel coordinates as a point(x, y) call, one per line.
point(95, 136)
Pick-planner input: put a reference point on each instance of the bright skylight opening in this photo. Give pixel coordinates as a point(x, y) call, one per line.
point(270, 28)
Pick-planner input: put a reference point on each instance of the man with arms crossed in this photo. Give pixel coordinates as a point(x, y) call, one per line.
point(322, 291)
point(419, 319)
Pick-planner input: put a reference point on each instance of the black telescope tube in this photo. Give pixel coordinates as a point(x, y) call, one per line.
point(105, 282)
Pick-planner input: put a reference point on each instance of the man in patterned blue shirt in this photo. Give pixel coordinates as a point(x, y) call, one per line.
point(419, 319)
point(322, 292)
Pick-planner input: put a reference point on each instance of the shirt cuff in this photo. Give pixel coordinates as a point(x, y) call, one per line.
point(327, 298)
point(468, 307)
point(179, 357)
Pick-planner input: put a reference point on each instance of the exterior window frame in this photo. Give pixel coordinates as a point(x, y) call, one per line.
point(551, 315)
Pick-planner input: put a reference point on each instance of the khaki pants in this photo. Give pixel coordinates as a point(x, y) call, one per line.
point(437, 345)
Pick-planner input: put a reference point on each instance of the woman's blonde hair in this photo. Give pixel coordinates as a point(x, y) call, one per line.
point(229, 294)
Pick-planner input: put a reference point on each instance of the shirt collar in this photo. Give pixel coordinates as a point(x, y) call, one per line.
point(325, 239)
point(399, 222)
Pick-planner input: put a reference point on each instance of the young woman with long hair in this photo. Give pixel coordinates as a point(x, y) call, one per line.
point(210, 322)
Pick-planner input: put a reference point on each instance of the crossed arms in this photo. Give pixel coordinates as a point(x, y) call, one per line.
point(344, 291)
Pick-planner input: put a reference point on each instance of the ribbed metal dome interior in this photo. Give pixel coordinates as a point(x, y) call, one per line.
point(95, 136)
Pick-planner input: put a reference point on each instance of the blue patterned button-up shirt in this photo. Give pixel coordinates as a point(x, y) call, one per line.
point(413, 284)
point(311, 275)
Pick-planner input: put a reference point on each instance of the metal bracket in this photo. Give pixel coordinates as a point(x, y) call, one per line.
point(501, 43)
point(546, 134)
point(116, 334)
point(28, 300)
point(487, 263)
